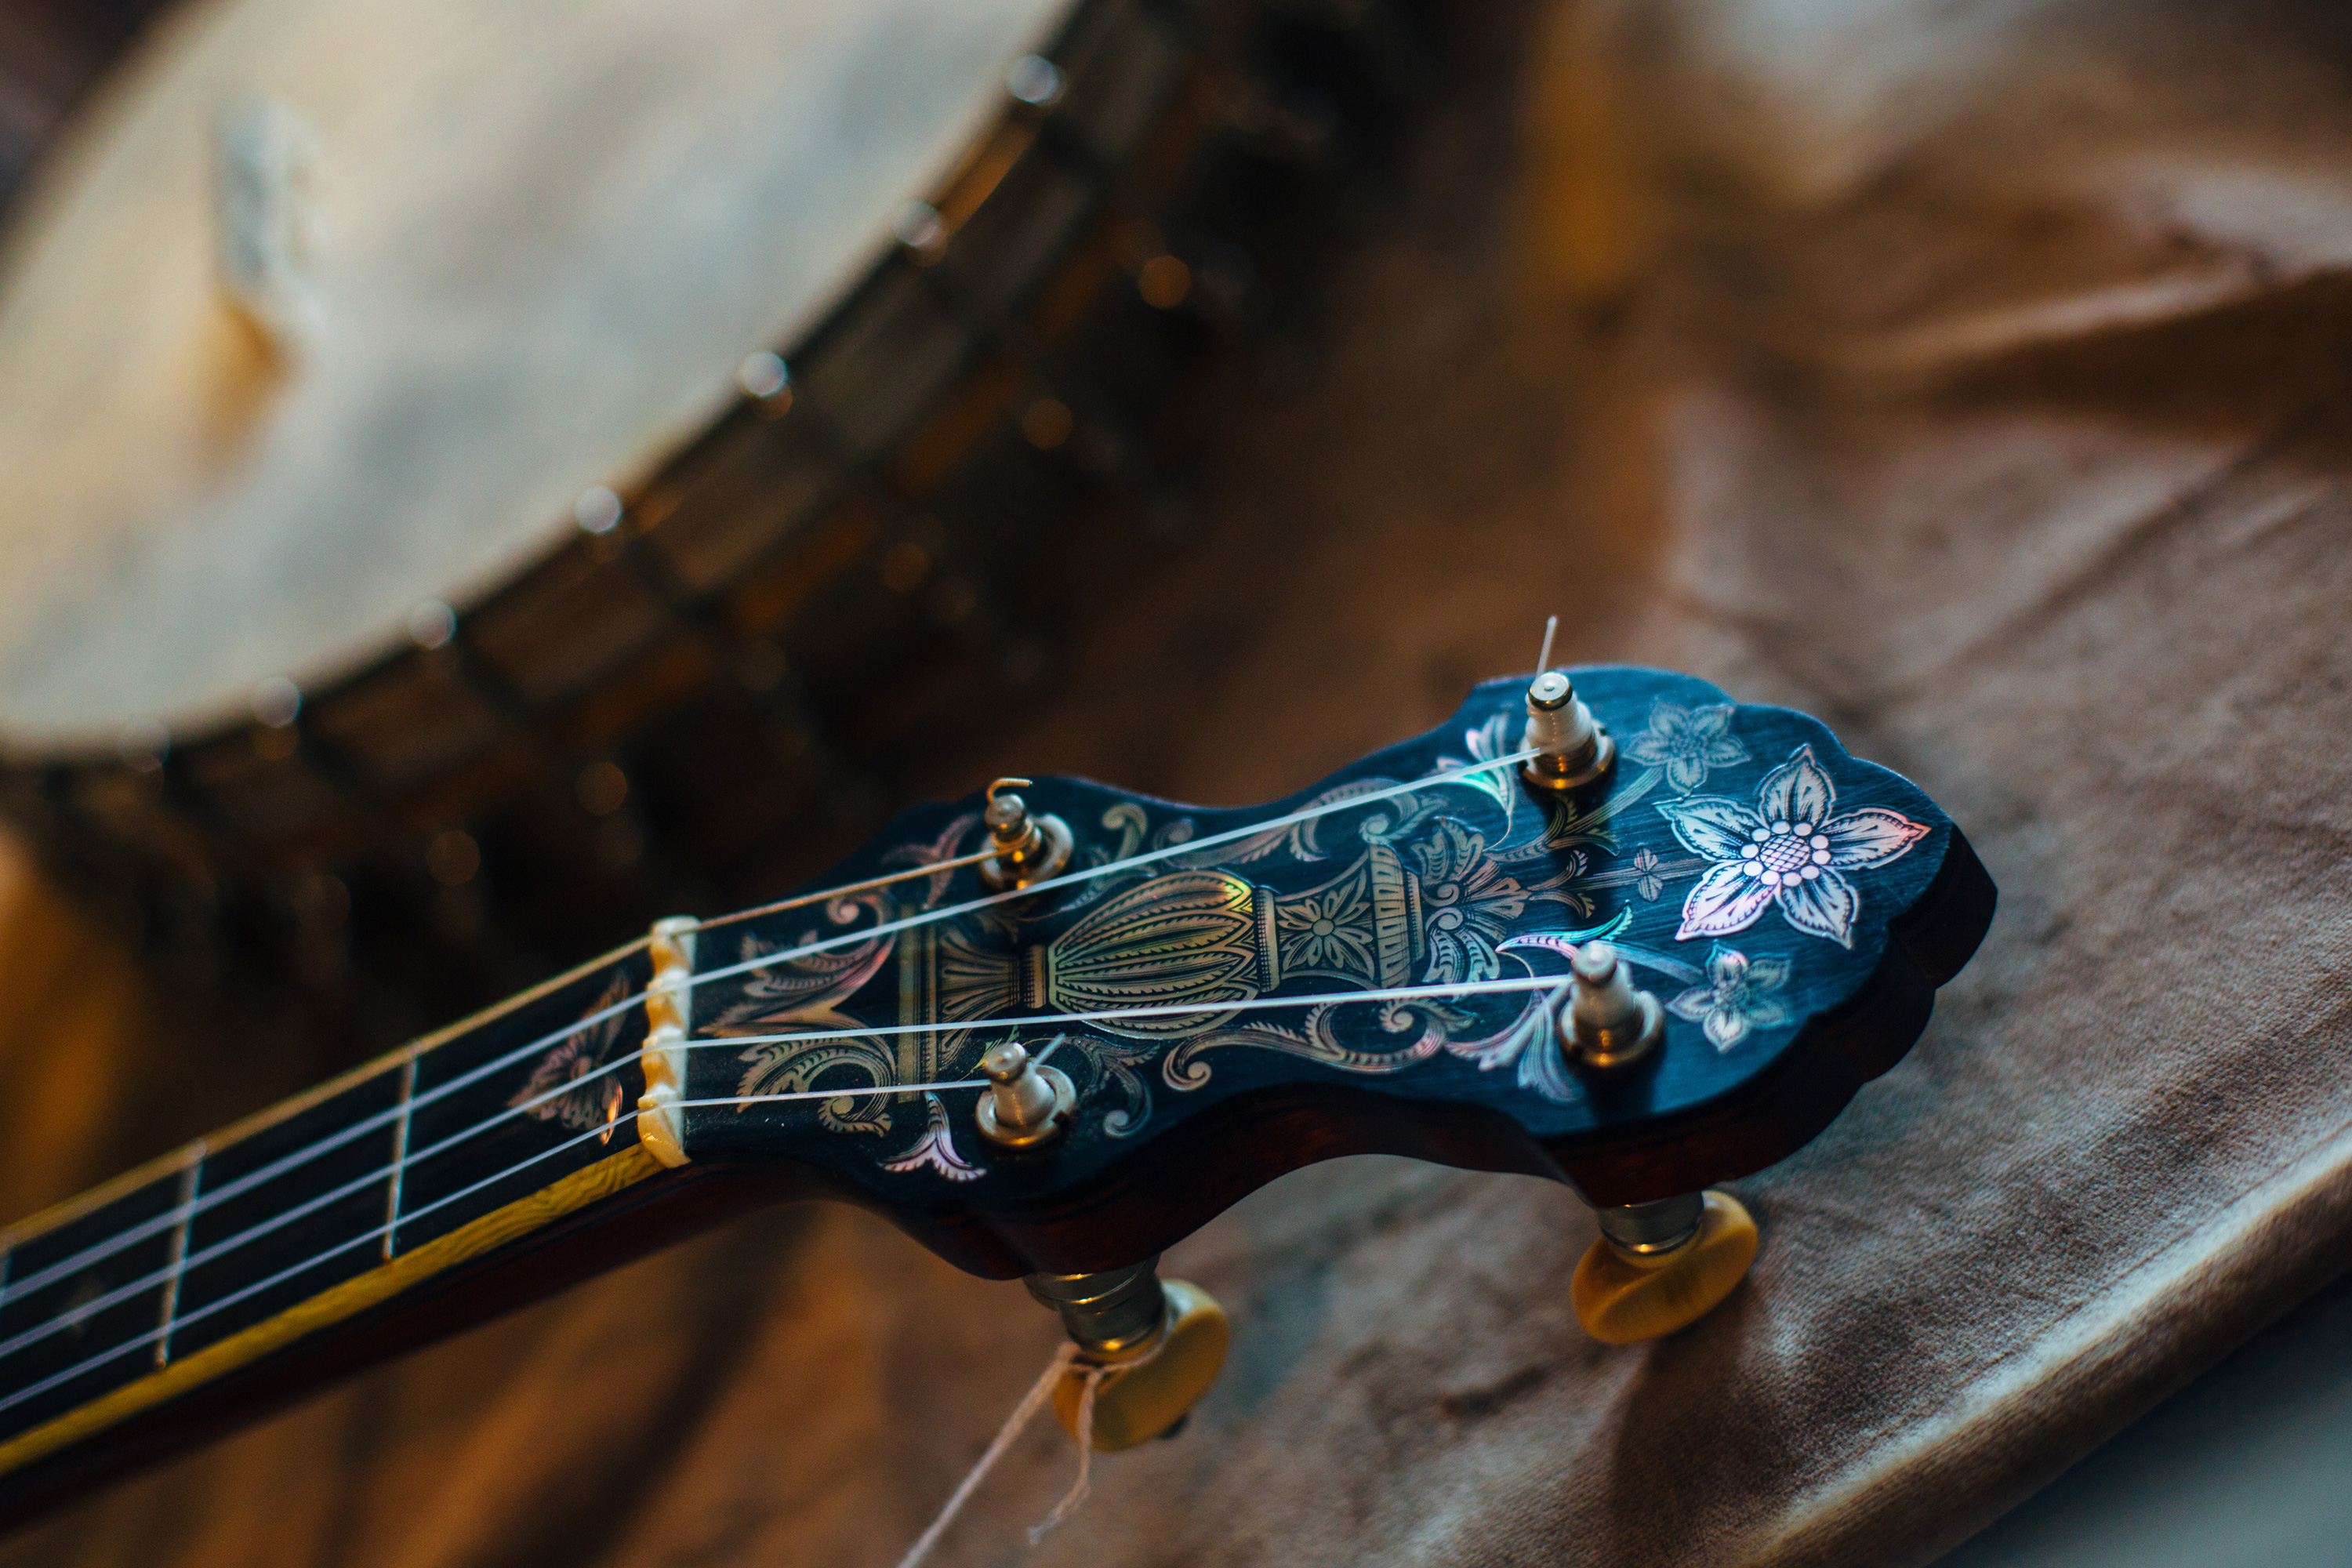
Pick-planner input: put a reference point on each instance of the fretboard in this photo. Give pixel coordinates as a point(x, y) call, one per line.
point(320, 1213)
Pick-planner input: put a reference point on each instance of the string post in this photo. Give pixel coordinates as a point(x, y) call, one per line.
point(1024, 847)
point(1146, 1351)
point(1608, 1025)
point(1027, 1104)
point(1111, 1315)
point(1571, 748)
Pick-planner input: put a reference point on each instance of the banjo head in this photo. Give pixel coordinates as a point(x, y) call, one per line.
point(504, 251)
point(476, 483)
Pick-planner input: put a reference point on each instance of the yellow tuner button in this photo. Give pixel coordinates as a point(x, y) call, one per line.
point(1135, 1405)
point(1623, 1299)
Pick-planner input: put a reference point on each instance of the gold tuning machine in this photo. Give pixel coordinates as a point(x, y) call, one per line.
point(1663, 1266)
point(1159, 1343)
point(1024, 847)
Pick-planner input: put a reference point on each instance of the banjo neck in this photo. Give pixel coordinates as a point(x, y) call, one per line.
point(419, 1193)
point(1050, 1035)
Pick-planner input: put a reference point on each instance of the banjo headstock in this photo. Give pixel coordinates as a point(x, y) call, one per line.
point(1380, 964)
point(1618, 931)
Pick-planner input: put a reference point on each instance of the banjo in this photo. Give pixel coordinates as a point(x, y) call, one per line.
point(1606, 927)
point(445, 442)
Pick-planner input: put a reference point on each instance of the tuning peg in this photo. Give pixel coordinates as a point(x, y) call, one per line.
point(1571, 748)
point(1026, 1104)
point(1608, 1024)
point(1027, 848)
point(1163, 1342)
point(1663, 1266)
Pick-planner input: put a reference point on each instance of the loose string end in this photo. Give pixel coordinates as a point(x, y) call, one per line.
point(1015, 1424)
point(1076, 1494)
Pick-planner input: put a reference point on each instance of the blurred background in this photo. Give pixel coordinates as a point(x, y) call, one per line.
point(479, 477)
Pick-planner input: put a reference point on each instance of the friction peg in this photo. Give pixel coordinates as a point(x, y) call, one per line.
point(1026, 1104)
point(1663, 1266)
point(1608, 1024)
point(1026, 848)
point(1571, 748)
point(1161, 1344)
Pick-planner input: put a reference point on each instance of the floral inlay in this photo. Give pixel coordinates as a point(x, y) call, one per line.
point(1734, 1001)
point(1647, 882)
point(1469, 904)
point(1790, 848)
point(580, 1059)
point(806, 995)
point(935, 1150)
point(1330, 930)
point(1686, 742)
point(1497, 737)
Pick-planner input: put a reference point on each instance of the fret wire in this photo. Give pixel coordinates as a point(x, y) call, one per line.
point(302, 1156)
point(303, 1211)
point(163, 1332)
point(228, 1244)
point(399, 1158)
point(20, 1396)
point(191, 1176)
point(380, 1119)
point(139, 1177)
point(53, 1380)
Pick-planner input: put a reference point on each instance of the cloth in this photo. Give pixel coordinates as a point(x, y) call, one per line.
point(1972, 376)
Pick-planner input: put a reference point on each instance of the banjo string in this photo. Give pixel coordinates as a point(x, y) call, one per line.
point(1152, 857)
point(603, 1130)
point(1157, 1010)
point(934, 868)
point(126, 1291)
point(231, 1190)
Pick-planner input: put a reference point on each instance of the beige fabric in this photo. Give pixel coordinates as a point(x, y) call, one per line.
point(1971, 376)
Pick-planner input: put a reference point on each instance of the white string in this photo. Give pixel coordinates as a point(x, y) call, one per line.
point(801, 900)
point(853, 1091)
point(284, 1274)
point(1088, 1391)
point(209, 1308)
point(1031, 1403)
point(1070, 878)
point(229, 1244)
point(122, 1293)
point(227, 1191)
point(1154, 1010)
point(247, 1183)
point(1095, 1375)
